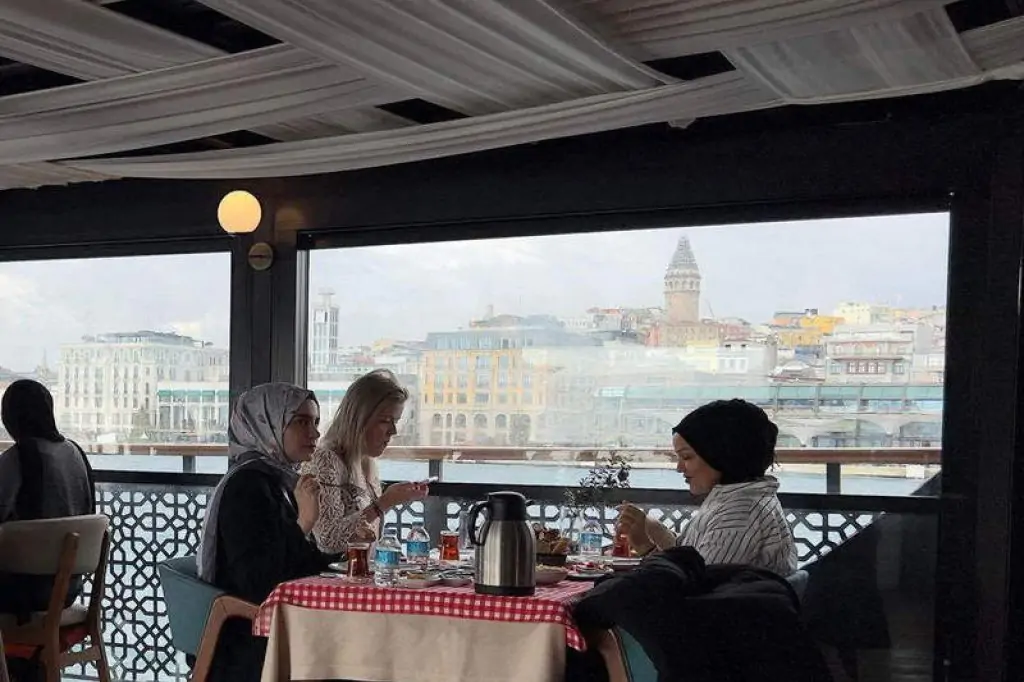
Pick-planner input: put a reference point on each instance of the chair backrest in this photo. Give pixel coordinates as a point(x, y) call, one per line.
point(188, 601)
point(798, 581)
point(34, 547)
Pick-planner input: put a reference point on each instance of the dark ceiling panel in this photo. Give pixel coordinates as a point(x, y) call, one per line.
point(694, 66)
point(197, 21)
point(421, 111)
point(238, 138)
point(16, 78)
point(968, 14)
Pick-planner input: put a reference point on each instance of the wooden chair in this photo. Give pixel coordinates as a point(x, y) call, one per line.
point(197, 612)
point(62, 548)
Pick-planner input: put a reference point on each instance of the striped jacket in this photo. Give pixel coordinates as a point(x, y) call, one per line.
point(743, 523)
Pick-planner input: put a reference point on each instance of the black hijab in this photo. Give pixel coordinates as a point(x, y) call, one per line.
point(733, 436)
point(27, 414)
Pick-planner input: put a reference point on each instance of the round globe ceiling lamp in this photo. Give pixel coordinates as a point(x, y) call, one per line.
point(239, 212)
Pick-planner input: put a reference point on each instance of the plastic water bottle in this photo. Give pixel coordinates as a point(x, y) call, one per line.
point(385, 572)
point(417, 546)
point(591, 536)
point(465, 544)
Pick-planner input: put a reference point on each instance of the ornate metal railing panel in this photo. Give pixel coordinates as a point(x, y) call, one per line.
point(152, 523)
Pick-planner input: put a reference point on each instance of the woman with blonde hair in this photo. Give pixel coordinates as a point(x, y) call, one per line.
point(352, 503)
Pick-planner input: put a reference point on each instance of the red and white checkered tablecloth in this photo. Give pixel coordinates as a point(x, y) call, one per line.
point(548, 605)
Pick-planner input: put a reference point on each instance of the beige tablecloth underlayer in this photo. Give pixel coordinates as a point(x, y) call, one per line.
point(314, 644)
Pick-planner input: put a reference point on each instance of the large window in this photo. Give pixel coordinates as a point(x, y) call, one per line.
point(525, 354)
point(133, 349)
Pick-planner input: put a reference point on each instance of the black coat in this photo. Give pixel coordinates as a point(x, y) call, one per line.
point(259, 545)
point(713, 624)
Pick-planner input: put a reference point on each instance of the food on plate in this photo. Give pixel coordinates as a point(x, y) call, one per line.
point(550, 541)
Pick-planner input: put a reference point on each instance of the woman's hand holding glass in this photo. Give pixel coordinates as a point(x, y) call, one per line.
point(645, 533)
point(633, 521)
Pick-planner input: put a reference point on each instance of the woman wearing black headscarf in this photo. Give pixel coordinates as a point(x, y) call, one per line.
point(724, 449)
point(42, 476)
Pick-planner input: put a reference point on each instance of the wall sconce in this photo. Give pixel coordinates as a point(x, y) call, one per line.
point(239, 212)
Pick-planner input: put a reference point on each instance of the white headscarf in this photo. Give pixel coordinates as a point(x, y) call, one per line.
point(255, 438)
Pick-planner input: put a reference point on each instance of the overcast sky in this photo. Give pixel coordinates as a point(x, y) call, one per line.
point(749, 271)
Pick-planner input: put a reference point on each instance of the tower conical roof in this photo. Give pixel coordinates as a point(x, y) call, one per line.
point(683, 259)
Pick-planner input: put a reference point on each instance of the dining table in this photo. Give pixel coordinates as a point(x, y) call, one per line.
point(329, 627)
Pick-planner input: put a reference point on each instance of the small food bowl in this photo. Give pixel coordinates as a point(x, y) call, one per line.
point(552, 559)
point(550, 575)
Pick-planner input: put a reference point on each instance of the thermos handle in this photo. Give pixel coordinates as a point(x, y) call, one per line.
point(471, 520)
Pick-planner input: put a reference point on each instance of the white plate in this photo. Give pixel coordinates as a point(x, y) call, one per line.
point(339, 566)
point(457, 582)
point(588, 575)
point(419, 584)
point(550, 576)
point(624, 564)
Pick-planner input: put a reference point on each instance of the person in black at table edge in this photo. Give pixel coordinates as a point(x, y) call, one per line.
point(260, 517)
point(42, 476)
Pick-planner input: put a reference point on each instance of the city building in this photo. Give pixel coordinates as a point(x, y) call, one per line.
point(885, 354)
point(106, 387)
point(579, 377)
point(323, 333)
point(681, 324)
point(803, 332)
point(488, 384)
point(199, 411)
point(856, 415)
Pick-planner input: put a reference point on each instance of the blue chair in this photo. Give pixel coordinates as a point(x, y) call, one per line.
point(197, 611)
point(623, 656)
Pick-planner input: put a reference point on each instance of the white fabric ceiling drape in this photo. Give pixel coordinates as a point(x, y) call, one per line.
point(726, 93)
point(476, 57)
point(918, 53)
point(999, 48)
point(661, 29)
point(525, 71)
point(86, 41)
point(180, 103)
point(722, 94)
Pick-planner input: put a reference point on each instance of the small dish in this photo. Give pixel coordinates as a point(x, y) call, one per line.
point(419, 583)
point(339, 566)
point(588, 575)
point(456, 581)
point(549, 575)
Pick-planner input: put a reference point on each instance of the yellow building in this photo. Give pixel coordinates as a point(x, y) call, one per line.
point(484, 385)
point(800, 330)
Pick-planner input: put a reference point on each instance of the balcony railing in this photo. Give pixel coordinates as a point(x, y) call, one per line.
point(833, 459)
point(157, 516)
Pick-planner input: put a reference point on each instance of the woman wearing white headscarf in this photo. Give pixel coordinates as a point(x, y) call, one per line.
point(259, 519)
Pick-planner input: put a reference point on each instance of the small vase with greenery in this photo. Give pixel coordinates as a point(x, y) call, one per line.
point(596, 489)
